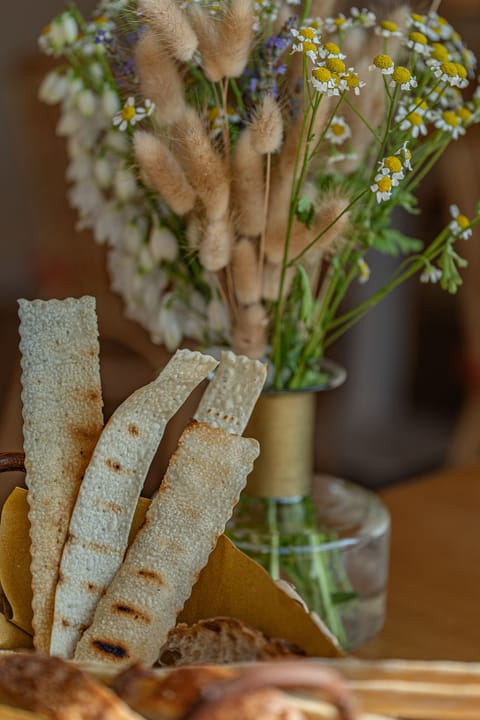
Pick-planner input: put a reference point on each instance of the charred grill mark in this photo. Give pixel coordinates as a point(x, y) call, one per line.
point(133, 430)
point(111, 650)
point(93, 588)
point(113, 465)
point(109, 506)
point(97, 548)
point(132, 612)
point(150, 575)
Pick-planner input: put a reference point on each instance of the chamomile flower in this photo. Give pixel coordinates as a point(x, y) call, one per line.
point(216, 120)
point(61, 33)
point(351, 81)
point(382, 187)
point(405, 155)
point(431, 274)
point(384, 63)
point(324, 81)
point(364, 271)
point(452, 73)
point(339, 131)
point(418, 42)
point(331, 50)
point(418, 22)
point(459, 224)
point(412, 119)
point(131, 114)
point(393, 167)
point(388, 29)
point(307, 40)
point(448, 121)
point(402, 77)
point(438, 54)
point(365, 18)
point(337, 24)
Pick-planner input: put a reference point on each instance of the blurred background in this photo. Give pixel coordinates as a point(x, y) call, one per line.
point(411, 402)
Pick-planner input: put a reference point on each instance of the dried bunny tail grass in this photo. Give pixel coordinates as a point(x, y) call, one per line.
point(249, 334)
point(246, 280)
point(160, 80)
point(276, 228)
point(163, 172)
point(207, 32)
point(248, 189)
point(205, 168)
point(215, 248)
point(272, 273)
point(331, 220)
point(236, 37)
point(267, 127)
point(172, 25)
point(322, 8)
point(193, 232)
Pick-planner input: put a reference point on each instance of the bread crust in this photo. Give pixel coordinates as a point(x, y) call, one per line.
point(56, 689)
point(222, 640)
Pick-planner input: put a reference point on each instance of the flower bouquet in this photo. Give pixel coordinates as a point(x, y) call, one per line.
point(241, 161)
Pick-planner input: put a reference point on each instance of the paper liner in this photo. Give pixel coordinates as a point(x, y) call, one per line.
point(230, 585)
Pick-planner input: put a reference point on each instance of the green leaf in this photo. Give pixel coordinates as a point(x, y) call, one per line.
point(306, 297)
point(393, 242)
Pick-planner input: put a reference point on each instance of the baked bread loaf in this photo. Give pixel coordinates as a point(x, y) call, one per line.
point(221, 640)
point(56, 689)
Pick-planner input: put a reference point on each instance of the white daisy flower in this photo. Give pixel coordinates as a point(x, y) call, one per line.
point(324, 81)
point(131, 114)
point(418, 42)
point(382, 187)
point(405, 155)
point(392, 166)
point(403, 77)
point(411, 119)
point(388, 29)
point(365, 18)
point(337, 24)
point(331, 50)
point(452, 73)
point(307, 40)
point(384, 63)
point(339, 131)
point(459, 224)
point(448, 121)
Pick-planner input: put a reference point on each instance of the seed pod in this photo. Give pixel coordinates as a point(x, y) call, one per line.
point(172, 26)
point(245, 270)
point(250, 331)
point(271, 281)
point(215, 249)
point(248, 188)
point(267, 127)
point(236, 37)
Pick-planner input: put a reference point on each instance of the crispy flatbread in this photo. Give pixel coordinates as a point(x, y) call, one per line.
point(201, 486)
point(62, 420)
point(230, 397)
point(100, 524)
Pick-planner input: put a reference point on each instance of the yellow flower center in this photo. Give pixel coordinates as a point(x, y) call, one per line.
point(418, 37)
point(101, 19)
point(414, 118)
point(213, 114)
point(439, 52)
point(392, 163)
point(461, 71)
point(464, 114)
point(46, 29)
point(463, 221)
point(335, 65)
point(332, 48)
point(322, 74)
point(450, 118)
point(441, 20)
point(389, 26)
point(338, 129)
point(449, 69)
point(384, 184)
point(417, 18)
point(401, 75)
point(308, 46)
point(307, 32)
point(339, 21)
point(128, 112)
point(352, 80)
point(383, 62)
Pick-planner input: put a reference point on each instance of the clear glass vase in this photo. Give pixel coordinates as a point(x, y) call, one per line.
point(326, 536)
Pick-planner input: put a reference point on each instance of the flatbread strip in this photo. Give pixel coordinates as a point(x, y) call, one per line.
point(100, 524)
point(229, 399)
point(57, 690)
point(201, 486)
point(62, 420)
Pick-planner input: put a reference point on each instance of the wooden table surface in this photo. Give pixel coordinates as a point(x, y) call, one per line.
point(433, 608)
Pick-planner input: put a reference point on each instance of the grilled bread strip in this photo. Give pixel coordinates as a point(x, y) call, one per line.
point(228, 401)
point(57, 690)
point(202, 484)
point(62, 420)
point(102, 516)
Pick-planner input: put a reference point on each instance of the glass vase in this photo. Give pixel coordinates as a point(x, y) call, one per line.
point(326, 536)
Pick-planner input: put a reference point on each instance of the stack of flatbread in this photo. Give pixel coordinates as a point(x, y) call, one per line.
point(94, 600)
